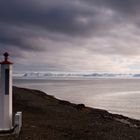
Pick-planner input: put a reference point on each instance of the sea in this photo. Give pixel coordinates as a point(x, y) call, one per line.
point(119, 96)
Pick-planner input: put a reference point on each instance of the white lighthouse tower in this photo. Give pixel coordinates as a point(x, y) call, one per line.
point(6, 122)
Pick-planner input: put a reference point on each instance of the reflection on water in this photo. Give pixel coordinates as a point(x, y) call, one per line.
point(115, 95)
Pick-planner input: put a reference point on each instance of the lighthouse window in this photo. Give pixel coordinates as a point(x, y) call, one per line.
point(7, 81)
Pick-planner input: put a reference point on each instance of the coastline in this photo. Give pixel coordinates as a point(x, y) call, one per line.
point(119, 96)
point(45, 117)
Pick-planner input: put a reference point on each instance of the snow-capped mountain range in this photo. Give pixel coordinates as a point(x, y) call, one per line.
point(45, 75)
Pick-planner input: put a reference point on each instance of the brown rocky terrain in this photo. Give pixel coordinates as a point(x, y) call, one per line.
point(47, 118)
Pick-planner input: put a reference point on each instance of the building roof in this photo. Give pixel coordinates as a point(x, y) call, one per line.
point(6, 54)
point(6, 62)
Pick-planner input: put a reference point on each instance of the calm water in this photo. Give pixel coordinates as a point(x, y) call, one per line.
point(120, 96)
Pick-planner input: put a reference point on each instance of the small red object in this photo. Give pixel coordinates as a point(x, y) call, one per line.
point(6, 54)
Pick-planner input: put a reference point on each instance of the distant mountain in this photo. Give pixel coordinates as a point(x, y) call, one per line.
point(72, 74)
point(136, 75)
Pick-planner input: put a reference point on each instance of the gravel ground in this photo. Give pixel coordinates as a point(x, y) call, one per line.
point(47, 118)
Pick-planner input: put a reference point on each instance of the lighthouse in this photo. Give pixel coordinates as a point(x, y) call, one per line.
point(6, 122)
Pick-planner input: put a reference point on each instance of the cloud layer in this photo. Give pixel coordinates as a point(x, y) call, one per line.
point(76, 35)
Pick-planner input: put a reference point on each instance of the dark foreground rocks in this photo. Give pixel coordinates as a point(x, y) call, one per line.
point(47, 118)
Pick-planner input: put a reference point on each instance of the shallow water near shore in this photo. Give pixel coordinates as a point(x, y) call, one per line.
point(121, 96)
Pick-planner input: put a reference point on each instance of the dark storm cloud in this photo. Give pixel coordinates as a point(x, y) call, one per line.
point(124, 7)
point(16, 39)
point(66, 17)
point(58, 18)
point(57, 29)
point(23, 21)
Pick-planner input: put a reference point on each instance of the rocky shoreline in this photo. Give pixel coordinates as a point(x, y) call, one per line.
point(48, 118)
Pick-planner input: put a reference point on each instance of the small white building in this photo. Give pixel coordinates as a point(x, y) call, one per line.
point(6, 120)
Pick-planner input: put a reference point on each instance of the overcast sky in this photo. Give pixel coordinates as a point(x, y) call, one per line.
point(71, 35)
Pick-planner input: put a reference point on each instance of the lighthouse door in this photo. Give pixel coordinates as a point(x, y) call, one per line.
point(7, 81)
